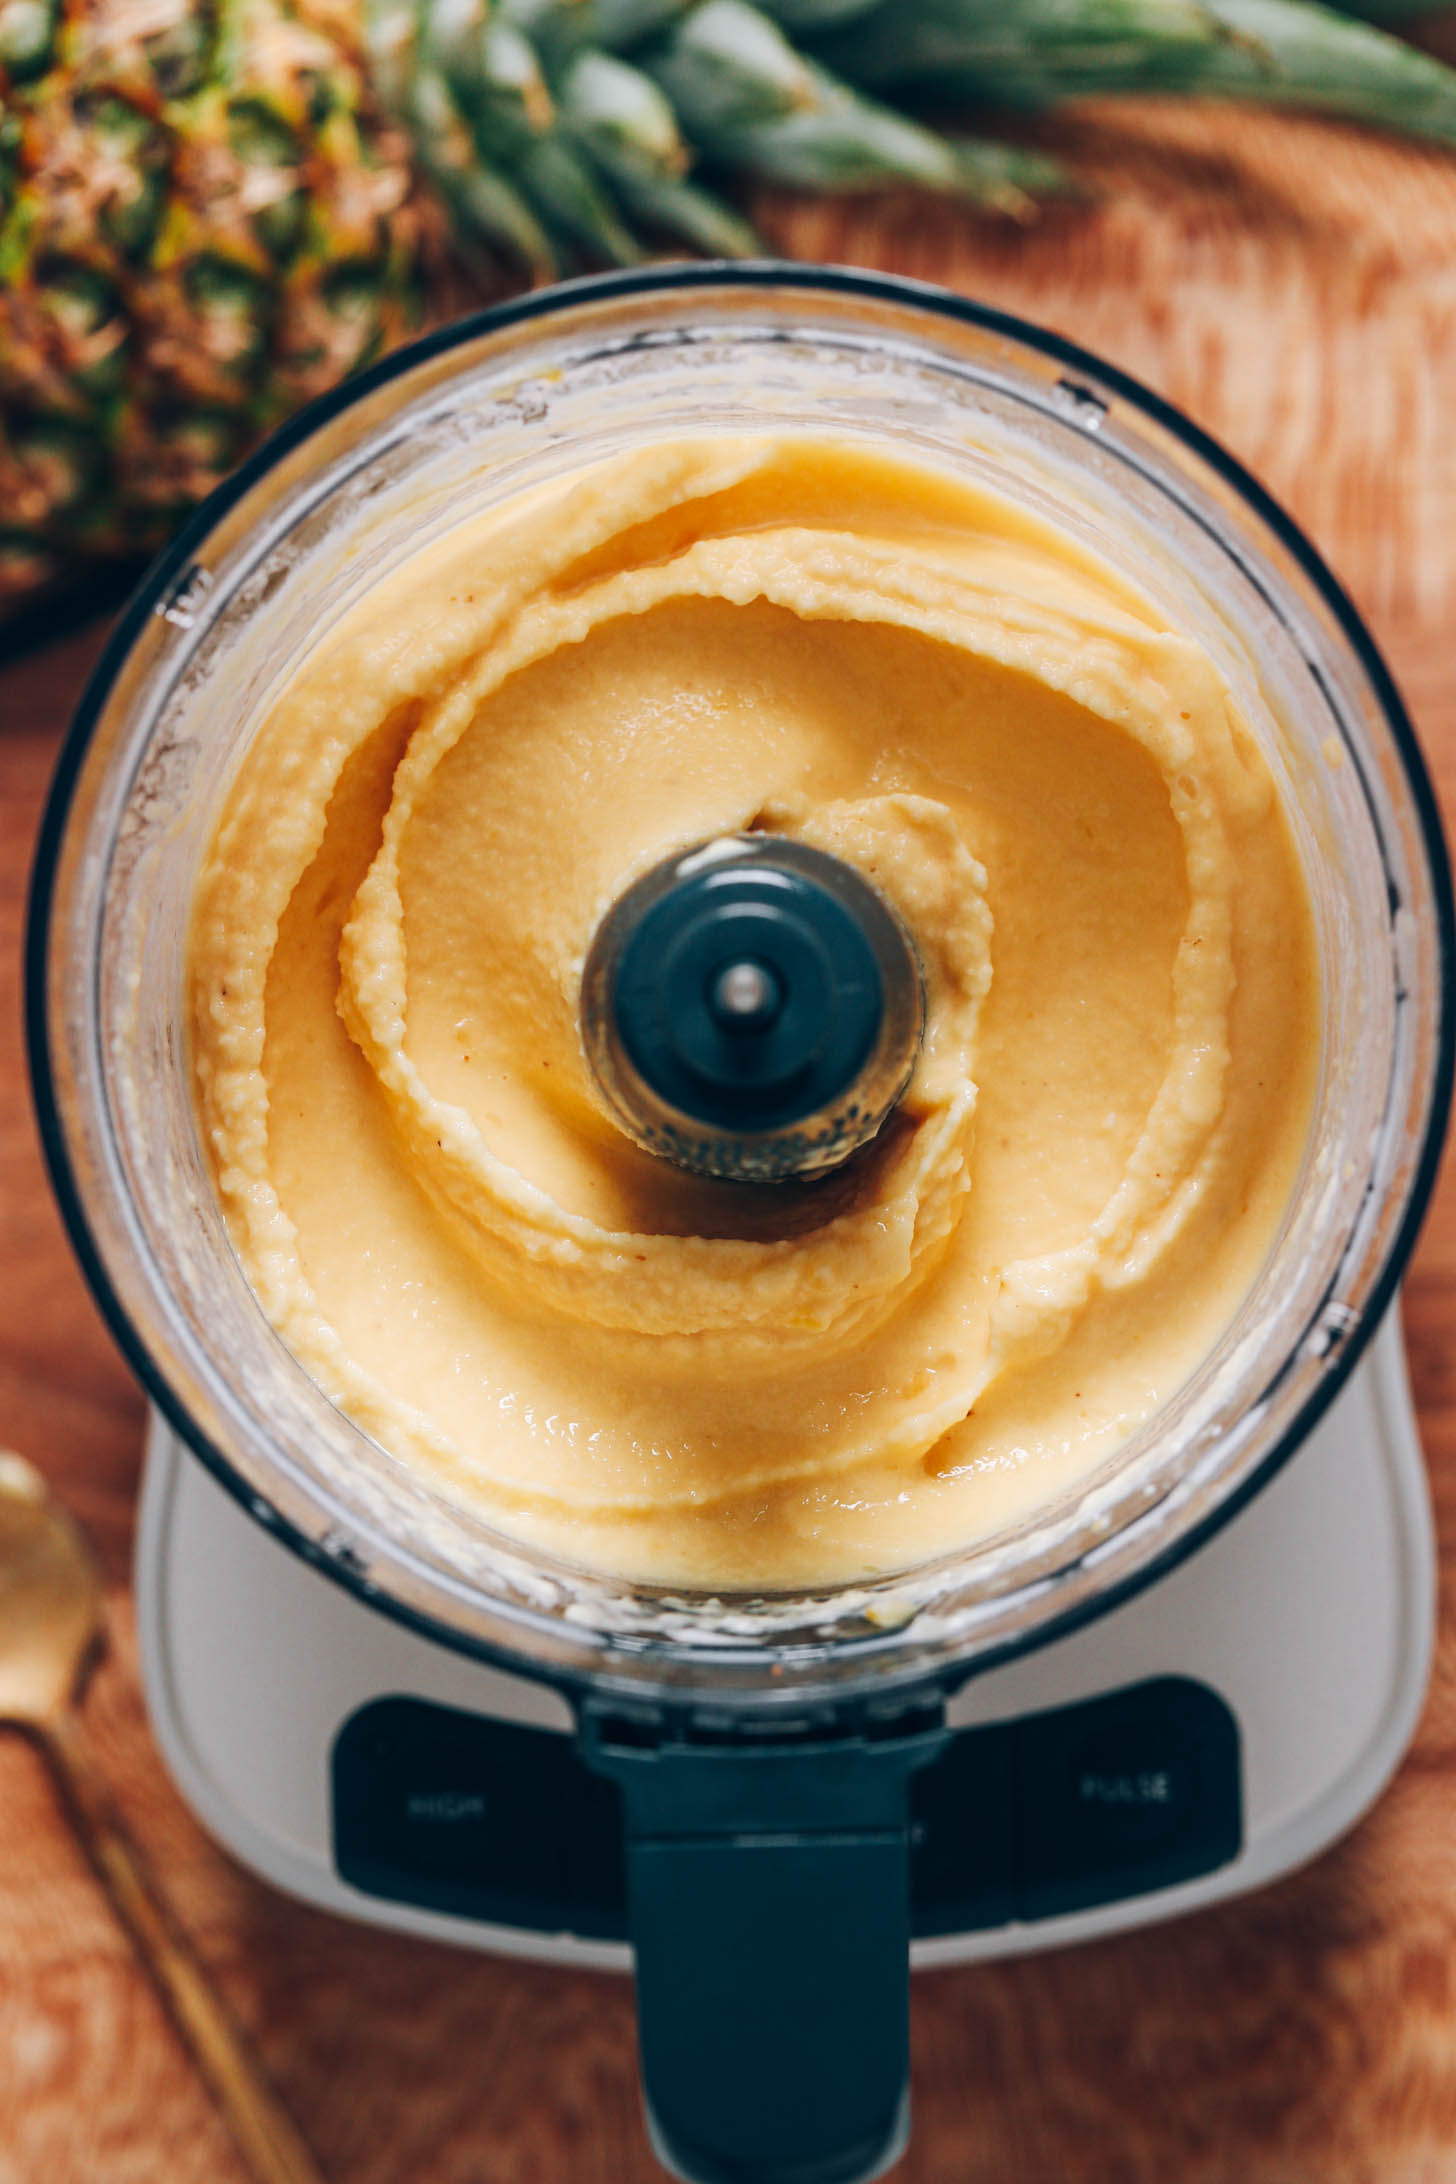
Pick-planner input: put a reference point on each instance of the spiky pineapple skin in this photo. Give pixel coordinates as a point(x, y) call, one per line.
point(205, 218)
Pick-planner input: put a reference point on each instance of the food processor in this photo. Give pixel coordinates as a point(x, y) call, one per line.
point(1153, 1690)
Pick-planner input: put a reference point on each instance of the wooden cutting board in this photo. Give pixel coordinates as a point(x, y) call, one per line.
point(1292, 285)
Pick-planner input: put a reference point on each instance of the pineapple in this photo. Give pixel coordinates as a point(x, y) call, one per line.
point(206, 220)
point(211, 210)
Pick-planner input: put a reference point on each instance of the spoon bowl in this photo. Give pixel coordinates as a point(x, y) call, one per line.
point(50, 1599)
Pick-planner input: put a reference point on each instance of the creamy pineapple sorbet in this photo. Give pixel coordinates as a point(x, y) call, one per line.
point(730, 1385)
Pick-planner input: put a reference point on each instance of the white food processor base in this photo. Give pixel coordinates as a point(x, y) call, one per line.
point(1223, 1726)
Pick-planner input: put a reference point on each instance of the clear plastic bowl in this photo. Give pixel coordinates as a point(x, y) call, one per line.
point(475, 415)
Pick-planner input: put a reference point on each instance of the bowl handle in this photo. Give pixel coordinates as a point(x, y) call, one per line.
point(769, 1908)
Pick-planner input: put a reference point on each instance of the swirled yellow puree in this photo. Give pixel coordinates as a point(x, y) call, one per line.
point(745, 1386)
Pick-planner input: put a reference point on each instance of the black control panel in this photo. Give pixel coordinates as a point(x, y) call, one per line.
point(1113, 1797)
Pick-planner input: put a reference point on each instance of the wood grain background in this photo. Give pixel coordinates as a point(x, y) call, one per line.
point(1293, 285)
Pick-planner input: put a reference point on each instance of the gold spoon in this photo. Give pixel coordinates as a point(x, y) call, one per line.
point(50, 1628)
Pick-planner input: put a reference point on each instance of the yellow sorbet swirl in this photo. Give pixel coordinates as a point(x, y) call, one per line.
point(736, 1386)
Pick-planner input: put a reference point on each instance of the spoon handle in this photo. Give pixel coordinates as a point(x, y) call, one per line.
point(263, 2132)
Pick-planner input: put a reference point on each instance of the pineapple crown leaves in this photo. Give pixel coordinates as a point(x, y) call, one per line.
point(1289, 52)
point(211, 210)
point(593, 113)
point(563, 129)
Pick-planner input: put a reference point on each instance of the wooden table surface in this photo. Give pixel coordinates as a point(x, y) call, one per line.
point(1294, 287)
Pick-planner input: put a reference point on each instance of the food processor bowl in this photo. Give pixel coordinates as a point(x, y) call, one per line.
point(733, 1725)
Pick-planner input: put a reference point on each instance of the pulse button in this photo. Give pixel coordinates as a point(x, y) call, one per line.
point(1123, 1794)
point(1137, 1799)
